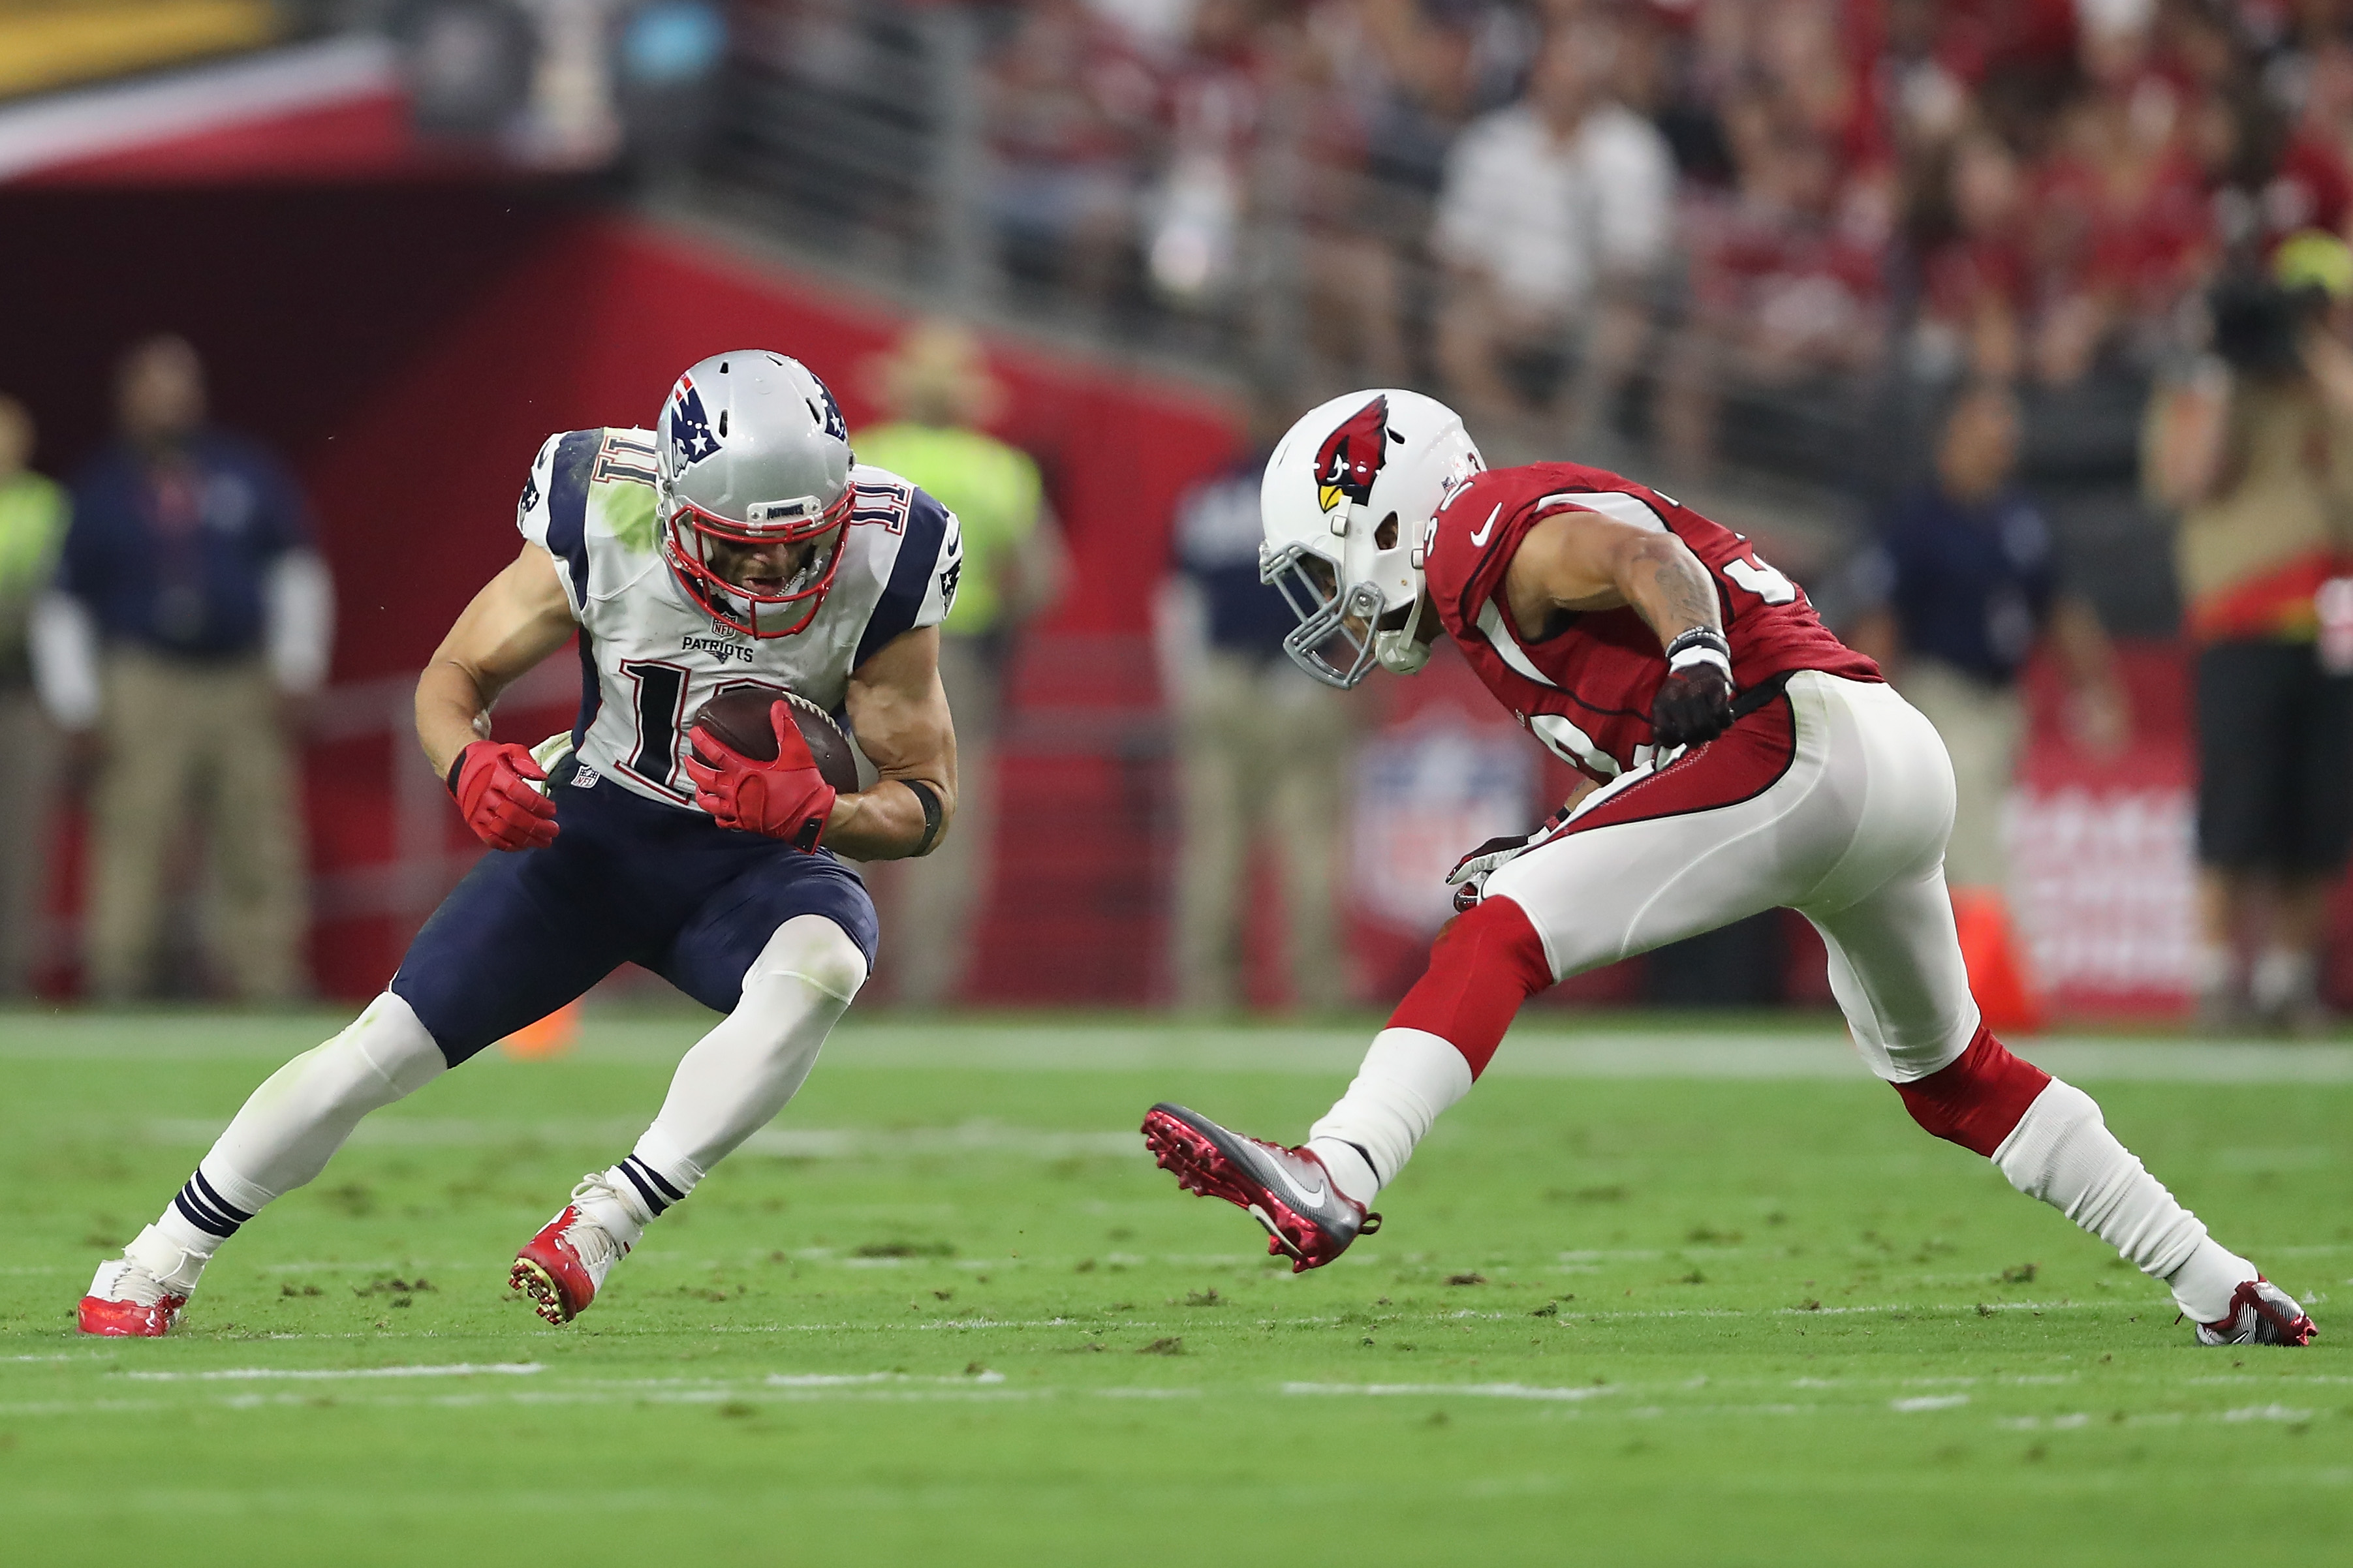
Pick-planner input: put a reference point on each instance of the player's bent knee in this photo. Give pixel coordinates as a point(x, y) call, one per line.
point(1978, 1099)
point(383, 1055)
point(814, 949)
point(1485, 964)
point(395, 1043)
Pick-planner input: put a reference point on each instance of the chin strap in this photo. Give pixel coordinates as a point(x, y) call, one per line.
point(1398, 651)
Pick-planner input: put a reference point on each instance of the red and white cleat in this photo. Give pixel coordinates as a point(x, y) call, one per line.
point(1307, 1216)
point(562, 1268)
point(127, 1301)
point(2261, 1314)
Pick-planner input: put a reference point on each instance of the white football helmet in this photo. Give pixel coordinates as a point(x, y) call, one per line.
point(1347, 504)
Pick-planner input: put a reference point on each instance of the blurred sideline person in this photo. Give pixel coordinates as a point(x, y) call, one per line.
point(740, 545)
point(2254, 449)
point(938, 389)
point(1738, 758)
point(1262, 750)
point(1961, 585)
point(194, 621)
point(32, 529)
point(1556, 216)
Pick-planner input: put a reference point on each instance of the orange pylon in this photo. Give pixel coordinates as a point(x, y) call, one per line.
point(2000, 976)
point(551, 1036)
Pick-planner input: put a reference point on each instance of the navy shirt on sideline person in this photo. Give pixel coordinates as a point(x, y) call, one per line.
point(1971, 584)
point(171, 550)
point(1216, 540)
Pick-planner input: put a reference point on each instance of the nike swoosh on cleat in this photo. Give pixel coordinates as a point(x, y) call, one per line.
point(1314, 1196)
point(1479, 539)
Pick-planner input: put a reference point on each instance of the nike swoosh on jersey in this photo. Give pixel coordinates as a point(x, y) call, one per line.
point(1486, 530)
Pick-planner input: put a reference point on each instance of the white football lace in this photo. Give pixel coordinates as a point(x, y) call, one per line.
point(136, 1284)
point(595, 1245)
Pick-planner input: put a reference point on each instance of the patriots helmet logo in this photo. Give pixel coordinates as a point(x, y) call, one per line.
point(1353, 455)
point(690, 426)
point(829, 416)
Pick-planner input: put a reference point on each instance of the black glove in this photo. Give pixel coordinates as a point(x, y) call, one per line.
point(1692, 707)
point(1469, 878)
point(1695, 702)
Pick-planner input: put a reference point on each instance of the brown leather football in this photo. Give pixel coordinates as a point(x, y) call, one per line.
point(739, 717)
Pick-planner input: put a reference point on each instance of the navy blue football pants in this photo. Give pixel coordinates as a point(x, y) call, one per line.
point(628, 880)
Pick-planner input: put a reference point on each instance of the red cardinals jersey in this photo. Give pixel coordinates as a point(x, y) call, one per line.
point(1585, 690)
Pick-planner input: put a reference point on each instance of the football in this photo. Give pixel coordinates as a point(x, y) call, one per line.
point(740, 717)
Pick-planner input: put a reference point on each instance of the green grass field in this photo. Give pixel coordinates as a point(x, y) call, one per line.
point(1676, 1294)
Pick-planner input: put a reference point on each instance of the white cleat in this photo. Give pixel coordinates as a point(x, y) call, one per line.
point(2261, 1314)
point(139, 1294)
point(564, 1266)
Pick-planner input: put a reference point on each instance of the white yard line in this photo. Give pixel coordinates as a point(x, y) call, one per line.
point(1471, 1390)
point(899, 1388)
point(438, 1369)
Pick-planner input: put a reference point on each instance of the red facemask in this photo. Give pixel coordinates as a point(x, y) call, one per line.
point(686, 545)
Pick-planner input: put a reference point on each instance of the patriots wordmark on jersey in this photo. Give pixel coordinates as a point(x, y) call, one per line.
point(1586, 688)
point(651, 656)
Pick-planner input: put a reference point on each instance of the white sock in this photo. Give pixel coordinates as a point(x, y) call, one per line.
point(1407, 1078)
point(2063, 1153)
point(1351, 1170)
point(289, 1128)
point(742, 1073)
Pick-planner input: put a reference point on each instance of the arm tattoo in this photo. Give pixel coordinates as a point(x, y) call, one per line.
point(1683, 595)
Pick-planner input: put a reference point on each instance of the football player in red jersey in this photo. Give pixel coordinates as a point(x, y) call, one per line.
point(1737, 758)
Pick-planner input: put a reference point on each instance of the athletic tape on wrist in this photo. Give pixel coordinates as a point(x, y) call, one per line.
point(929, 799)
point(1701, 645)
point(1692, 655)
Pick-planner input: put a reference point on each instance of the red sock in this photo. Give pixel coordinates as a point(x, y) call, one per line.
point(1482, 966)
point(1977, 1101)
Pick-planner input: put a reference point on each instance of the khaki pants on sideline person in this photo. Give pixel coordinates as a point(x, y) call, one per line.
point(1982, 726)
point(1262, 751)
point(934, 903)
point(196, 741)
point(29, 777)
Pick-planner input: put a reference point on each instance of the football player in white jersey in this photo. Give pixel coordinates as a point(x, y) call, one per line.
point(738, 546)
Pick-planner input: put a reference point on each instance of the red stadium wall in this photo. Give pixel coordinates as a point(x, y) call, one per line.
point(407, 349)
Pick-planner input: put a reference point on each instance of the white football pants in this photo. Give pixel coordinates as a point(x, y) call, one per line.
point(1846, 826)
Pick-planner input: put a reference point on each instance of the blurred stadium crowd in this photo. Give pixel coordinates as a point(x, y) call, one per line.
point(2012, 324)
point(1627, 214)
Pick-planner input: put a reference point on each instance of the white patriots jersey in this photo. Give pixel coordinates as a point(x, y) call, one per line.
point(651, 656)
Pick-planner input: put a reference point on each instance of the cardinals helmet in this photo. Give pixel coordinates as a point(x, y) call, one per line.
point(1346, 505)
point(751, 448)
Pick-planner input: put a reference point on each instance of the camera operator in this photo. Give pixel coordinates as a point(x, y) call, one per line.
point(2254, 449)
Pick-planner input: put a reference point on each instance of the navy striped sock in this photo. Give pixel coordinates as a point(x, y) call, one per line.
point(204, 1208)
point(656, 1189)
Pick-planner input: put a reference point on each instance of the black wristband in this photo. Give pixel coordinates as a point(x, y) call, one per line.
point(1699, 636)
point(929, 799)
point(457, 765)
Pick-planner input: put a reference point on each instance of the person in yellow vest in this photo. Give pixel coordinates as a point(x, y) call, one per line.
point(2253, 448)
point(33, 514)
point(936, 387)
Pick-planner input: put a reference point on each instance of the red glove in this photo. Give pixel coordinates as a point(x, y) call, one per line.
point(490, 783)
point(785, 799)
